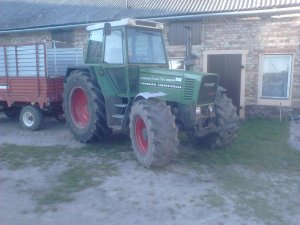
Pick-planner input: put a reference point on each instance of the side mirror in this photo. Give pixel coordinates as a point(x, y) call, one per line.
point(107, 29)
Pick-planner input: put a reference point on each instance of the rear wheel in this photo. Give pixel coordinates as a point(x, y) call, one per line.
point(84, 107)
point(31, 117)
point(153, 133)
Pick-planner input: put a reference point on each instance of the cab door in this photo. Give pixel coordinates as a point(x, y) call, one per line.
point(114, 61)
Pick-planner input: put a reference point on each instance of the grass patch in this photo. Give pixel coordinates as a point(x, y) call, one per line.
point(261, 145)
point(14, 157)
point(75, 178)
point(259, 173)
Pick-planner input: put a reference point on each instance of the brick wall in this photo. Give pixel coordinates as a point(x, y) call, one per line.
point(266, 35)
point(24, 38)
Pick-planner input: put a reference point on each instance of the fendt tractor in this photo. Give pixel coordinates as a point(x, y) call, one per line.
point(126, 84)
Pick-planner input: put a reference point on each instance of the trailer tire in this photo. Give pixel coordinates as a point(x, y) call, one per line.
point(12, 112)
point(153, 133)
point(84, 108)
point(31, 117)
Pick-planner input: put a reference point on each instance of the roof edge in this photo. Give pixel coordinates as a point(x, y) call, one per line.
point(272, 11)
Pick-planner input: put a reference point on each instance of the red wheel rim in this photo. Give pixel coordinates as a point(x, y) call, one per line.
point(141, 135)
point(79, 107)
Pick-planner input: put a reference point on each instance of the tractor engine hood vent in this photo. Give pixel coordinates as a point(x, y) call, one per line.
point(208, 90)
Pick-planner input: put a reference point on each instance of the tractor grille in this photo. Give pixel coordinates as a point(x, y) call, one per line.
point(189, 85)
point(208, 89)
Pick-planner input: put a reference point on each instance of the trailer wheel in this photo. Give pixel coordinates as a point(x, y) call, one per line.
point(31, 117)
point(84, 108)
point(12, 112)
point(153, 133)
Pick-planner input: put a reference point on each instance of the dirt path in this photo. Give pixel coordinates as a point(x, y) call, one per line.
point(51, 133)
point(72, 186)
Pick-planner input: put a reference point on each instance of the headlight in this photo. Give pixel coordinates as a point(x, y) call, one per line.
point(198, 110)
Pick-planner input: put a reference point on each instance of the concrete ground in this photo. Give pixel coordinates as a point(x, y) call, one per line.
point(295, 135)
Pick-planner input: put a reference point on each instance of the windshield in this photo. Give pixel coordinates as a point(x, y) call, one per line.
point(145, 46)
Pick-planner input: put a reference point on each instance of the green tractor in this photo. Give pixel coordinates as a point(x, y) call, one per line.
point(126, 84)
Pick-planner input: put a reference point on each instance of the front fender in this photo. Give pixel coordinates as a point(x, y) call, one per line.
point(147, 95)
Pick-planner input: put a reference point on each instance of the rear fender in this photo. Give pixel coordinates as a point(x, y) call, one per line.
point(82, 68)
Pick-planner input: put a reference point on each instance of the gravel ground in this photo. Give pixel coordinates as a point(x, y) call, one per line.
point(51, 133)
point(126, 193)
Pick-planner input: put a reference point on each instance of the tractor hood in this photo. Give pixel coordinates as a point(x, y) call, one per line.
point(184, 86)
point(176, 73)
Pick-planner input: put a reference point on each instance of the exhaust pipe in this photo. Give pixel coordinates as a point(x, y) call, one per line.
point(190, 58)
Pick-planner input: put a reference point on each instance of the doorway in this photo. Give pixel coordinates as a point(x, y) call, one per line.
point(230, 69)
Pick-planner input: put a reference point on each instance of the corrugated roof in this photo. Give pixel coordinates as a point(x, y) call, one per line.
point(22, 14)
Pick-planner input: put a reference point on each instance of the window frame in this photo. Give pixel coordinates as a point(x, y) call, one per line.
point(268, 100)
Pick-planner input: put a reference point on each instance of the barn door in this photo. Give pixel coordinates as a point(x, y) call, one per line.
point(229, 67)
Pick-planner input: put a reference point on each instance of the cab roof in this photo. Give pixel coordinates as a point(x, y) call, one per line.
point(128, 22)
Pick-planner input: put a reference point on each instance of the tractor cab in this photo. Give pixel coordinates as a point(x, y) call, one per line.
point(121, 47)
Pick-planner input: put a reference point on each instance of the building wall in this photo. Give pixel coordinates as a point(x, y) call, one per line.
point(24, 38)
point(256, 37)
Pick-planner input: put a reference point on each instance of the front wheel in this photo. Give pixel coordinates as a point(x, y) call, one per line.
point(31, 117)
point(227, 118)
point(153, 133)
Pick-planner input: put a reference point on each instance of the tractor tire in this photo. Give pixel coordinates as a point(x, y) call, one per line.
point(225, 116)
point(31, 117)
point(84, 108)
point(153, 133)
point(12, 112)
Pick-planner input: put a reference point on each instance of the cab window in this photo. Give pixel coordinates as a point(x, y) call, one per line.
point(95, 46)
point(114, 48)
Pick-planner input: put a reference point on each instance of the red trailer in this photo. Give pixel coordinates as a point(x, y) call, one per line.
point(31, 81)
